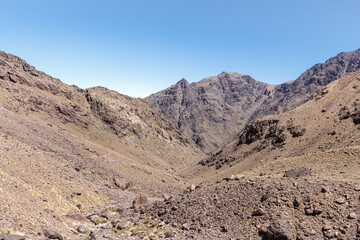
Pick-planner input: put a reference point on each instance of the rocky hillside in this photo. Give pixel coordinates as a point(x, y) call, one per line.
point(213, 111)
point(323, 135)
point(287, 96)
point(208, 111)
point(65, 150)
point(261, 208)
point(291, 176)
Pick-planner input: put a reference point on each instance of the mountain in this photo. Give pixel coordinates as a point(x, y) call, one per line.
point(66, 150)
point(208, 111)
point(323, 135)
point(287, 176)
point(287, 96)
point(96, 164)
point(213, 111)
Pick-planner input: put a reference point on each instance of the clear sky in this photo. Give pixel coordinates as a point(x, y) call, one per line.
point(138, 47)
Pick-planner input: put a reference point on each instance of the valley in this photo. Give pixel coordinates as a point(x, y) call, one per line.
point(227, 157)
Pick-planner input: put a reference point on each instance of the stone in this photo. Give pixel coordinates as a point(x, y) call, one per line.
point(139, 201)
point(265, 197)
point(169, 234)
point(11, 237)
point(186, 226)
point(161, 212)
point(239, 177)
point(297, 172)
point(296, 202)
point(52, 234)
point(344, 113)
point(81, 229)
point(329, 234)
point(122, 183)
point(167, 197)
point(191, 188)
point(77, 193)
point(340, 200)
point(279, 230)
point(352, 215)
point(309, 211)
point(224, 228)
point(317, 210)
point(257, 212)
point(357, 188)
point(232, 177)
point(263, 229)
point(326, 227)
point(324, 189)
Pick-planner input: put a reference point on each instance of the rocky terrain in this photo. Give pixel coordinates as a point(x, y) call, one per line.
point(65, 150)
point(92, 164)
point(209, 111)
point(323, 134)
point(239, 207)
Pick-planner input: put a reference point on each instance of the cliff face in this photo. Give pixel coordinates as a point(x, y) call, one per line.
point(213, 111)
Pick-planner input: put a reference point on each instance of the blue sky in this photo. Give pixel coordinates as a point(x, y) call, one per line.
point(138, 47)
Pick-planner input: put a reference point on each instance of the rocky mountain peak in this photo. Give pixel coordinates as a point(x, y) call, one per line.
point(183, 83)
point(215, 109)
point(209, 110)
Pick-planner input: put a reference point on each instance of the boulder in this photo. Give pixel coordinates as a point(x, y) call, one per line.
point(52, 234)
point(167, 197)
point(139, 201)
point(122, 183)
point(344, 113)
point(297, 172)
point(279, 230)
point(191, 188)
point(11, 237)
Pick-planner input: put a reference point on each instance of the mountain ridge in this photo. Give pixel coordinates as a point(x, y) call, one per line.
point(240, 104)
point(66, 150)
point(187, 104)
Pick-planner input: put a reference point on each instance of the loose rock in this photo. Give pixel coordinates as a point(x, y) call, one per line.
point(52, 234)
point(122, 183)
point(279, 230)
point(297, 172)
point(139, 201)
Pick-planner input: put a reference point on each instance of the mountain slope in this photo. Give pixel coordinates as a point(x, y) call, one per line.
point(208, 111)
point(323, 134)
point(62, 148)
point(212, 111)
point(270, 199)
point(287, 96)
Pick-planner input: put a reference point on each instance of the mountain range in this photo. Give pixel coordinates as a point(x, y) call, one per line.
point(213, 111)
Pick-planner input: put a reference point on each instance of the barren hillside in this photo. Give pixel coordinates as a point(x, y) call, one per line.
point(208, 111)
point(323, 134)
point(65, 150)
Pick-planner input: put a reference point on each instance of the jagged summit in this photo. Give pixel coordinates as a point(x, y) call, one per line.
point(209, 110)
point(183, 83)
point(215, 109)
